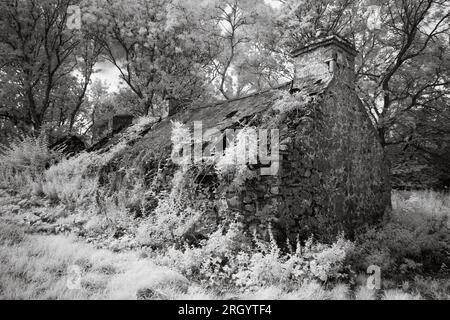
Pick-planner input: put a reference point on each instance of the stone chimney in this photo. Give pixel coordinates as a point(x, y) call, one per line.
point(326, 56)
point(119, 122)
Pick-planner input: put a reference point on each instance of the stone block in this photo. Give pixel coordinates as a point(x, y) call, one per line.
point(275, 190)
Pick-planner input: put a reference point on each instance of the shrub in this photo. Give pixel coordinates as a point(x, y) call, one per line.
point(432, 288)
point(69, 181)
point(227, 259)
point(415, 238)
point(421, 208)
point(170, 223)
point(134, 198)
point(28, 154)
point(24, 160)
point(237, 157)
point(176, 218)
point(288, 102)
point(313, 261)
point(213, 261)
point(96, 225)
point(399, 250)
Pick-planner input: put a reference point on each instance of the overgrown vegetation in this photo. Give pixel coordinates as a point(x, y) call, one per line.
point(23, 160)
point(127, 199)
point(411, 246)
point(414, 240)
point(228, 260)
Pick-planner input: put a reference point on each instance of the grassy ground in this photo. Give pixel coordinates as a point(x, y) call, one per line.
point(37, 266)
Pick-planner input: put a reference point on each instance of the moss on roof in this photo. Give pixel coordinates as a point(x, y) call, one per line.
point(225, 114)
point(152, 142)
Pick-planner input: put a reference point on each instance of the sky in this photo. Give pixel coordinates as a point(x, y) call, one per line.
point(107, 72)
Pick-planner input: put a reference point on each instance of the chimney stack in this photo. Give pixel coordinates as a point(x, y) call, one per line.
point(326, 56)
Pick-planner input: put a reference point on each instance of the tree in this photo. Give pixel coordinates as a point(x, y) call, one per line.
point(242, 47)
point(88, 56)
point(229, 23)
point(402, 67)
point(152, 45)
point(39, 56)
point(300, 20)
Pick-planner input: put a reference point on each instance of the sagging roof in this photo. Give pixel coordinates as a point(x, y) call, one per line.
point(224, 114)
point(219, 115)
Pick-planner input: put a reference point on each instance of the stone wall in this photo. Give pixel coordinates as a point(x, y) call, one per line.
point(333, 175)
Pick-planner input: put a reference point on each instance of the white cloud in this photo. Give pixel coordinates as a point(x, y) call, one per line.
point(107, 72)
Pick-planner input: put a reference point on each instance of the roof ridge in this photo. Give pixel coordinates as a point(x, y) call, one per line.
point(214, 104)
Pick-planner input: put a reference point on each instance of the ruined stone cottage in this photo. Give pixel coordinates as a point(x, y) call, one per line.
point(331, 175)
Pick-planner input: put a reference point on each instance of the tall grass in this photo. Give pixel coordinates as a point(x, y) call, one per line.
point(69, 181)
point(23, 161)
point(28, 154)
point(36, 267)
point(420, 207)
point(414, 239)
